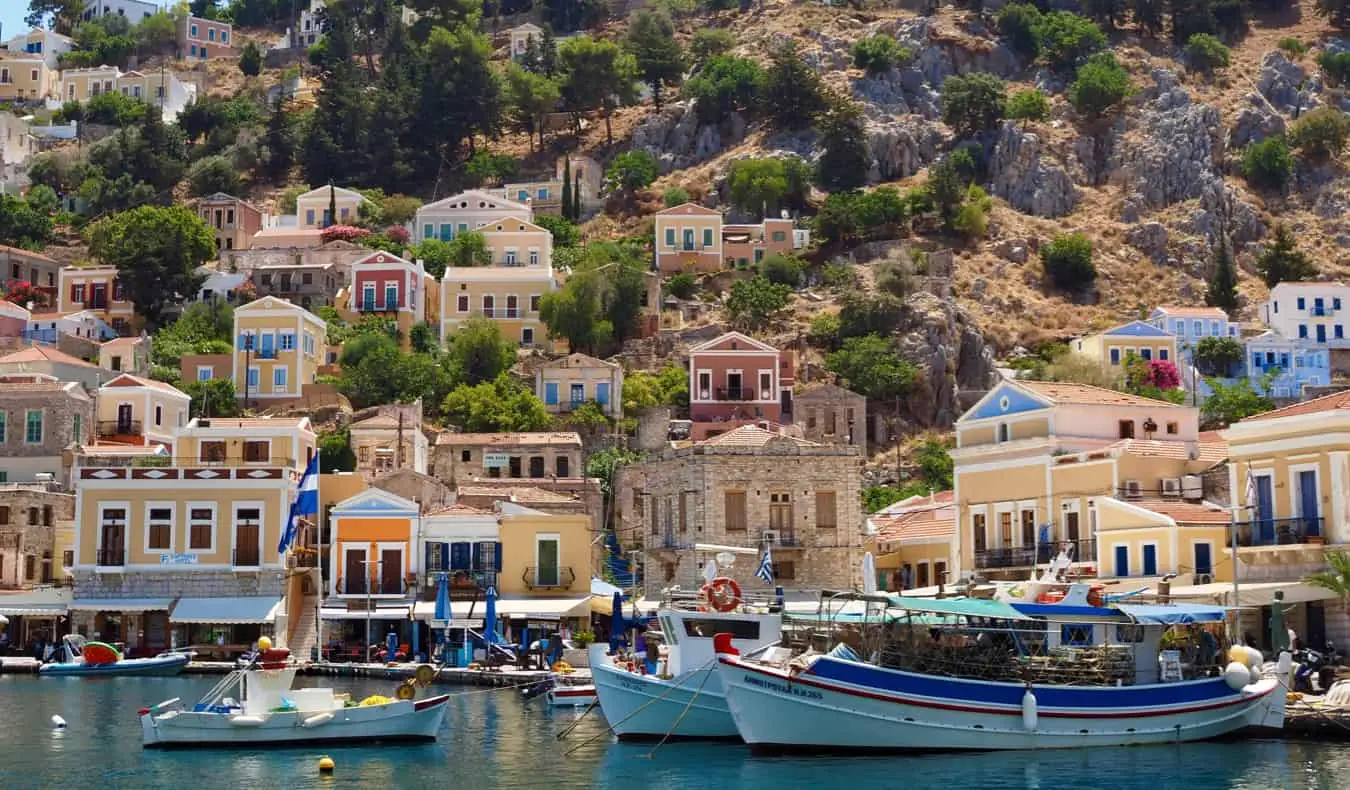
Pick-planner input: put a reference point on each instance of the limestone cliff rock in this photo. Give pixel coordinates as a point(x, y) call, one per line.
point(1021, 174)
point(953, 360)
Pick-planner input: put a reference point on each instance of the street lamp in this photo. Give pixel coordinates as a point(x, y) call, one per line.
point(369, 601)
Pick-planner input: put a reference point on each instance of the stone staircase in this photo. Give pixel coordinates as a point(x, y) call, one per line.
point(305, 636)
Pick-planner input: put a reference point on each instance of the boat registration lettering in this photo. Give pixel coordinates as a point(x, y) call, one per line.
point(631, 685)
point(783, 688)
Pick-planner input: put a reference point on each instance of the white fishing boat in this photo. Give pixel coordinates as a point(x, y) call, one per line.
point(970, 674)
point(565, 694)
point(269, 711)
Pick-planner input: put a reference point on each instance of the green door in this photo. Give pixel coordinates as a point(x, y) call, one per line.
point(546, 575)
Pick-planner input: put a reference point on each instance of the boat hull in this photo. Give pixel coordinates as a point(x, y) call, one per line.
point(571, 696)
point(639, 707)
point(403, 720)
point(841, 706)
point(170, 664)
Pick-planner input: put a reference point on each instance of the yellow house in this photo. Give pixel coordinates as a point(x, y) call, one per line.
point(185, 552)
point(279, 345)
point(1140, 338)
point(84, 84)
point(1290, 471)
point(312, 208)
point(374, 559)
point(26, 77)
point(1044, 468)
point(510, 290)
point(688, 238)
point(136, 410)
point(565, 383)
point(544, 554)
point(97, 289)
point(912, 542)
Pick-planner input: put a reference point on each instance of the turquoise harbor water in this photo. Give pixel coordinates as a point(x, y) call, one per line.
point(494, 740)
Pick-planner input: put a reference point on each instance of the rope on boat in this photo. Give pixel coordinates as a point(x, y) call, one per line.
point(595, 703)
point(1309, 706)
point(610, 729)
point(679, 719)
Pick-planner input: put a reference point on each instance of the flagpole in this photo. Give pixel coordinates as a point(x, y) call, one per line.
point(1233, 542)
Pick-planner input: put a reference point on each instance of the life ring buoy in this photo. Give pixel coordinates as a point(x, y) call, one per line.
point(1050, 596)
point(722, 593)
point(1094, 596)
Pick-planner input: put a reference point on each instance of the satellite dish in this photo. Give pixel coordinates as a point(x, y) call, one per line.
point(783, 213)
point(725, 559)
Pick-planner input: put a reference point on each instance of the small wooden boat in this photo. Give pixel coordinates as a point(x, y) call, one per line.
point(76, 656)
point(564, 694)
point(269, 711)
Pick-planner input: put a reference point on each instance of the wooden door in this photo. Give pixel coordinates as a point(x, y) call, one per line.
point(355, 572)
point(391, 572)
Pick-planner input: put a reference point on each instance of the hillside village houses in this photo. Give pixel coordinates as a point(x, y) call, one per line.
point(234, 221)
point(1113, 346)
point(736, 380)
point(565, 383)
point(470, 210)
point(691, 237)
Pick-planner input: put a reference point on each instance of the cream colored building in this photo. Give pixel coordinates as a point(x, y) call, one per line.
point(26, 77)
point(278, 349)
point(446, 218)
point(1121, 483)
point(81, 85)
point(565, 383)
point(688, 238)
point(137, 410)
point(313, 207)
point(510, 290)
point(1112, 347)
point(97, 289)
point(545, 194)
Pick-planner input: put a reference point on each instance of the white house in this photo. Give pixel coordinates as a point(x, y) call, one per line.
point(463, 212)
point(47, 327)
point(48, 44)
point(1289, 363)
point(133, 10)
point(1309, 311)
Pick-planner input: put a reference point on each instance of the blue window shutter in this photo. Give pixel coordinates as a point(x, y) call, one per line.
point(551, 393)
point(497, 557)
point(445, 555)
point(459, 556)
point(243, 341)
point(478, 556)
point(602, 393)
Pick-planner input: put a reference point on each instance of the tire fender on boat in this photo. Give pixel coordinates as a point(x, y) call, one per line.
point(247, 721)
point(1029, 713)
point(317, 720)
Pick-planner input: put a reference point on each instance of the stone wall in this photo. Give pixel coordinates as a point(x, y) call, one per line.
point(831, 415)
point(178, 584)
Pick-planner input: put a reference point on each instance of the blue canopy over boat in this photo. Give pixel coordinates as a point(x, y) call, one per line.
point(1173, 613)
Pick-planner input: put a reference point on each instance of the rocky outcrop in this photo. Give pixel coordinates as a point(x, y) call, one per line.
point(676, 138)
point(955, 365)
point(903, 146)
point(1178, 151)
point(1256, 121)
point(1286, 85)
point(1149, 238)
point(1019, 174)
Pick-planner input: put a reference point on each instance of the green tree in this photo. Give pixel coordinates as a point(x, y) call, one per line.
point(675, 196)
point(492, 406)
point(845, 160)
point(1067, 259)
point(1028, 105)
point(793, 94)
point(376, 371)
point(709, 42)
point(1101, 85)
point(468, 249)
point(1217, 356)
point(596, 75)
point(1223, 290)
point(250, 60)
point(1148, 15)
point(1065, 39)
point(156, 252)
point(1267, 163)
point(201, 328)
point(668, 387)
point(63, 15)
point(1206, 53)
point(335, 451)
point(479, 352)
point(872, 365)
point(1336, 578)
point(212, 398)
point(879, 54)
point(682, 286)
point(336, 142)
point(600, 303)
point(1018, 23)
point(1228, 403)
point(660, 60)
point(754, 302)
point(278, 142)
point(533, 96)
point(726, 84)
point(434, 254)
point(1335, 65)
point(567, 200)
point(935, 464)
point(1282, 261)
point(756, 185)
point(629, 172)
point(214, 174)
point(973, 104)
point(1320, 134)
point(781, 269)
point(24, 225)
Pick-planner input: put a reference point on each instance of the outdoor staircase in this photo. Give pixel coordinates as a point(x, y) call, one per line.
point(305, 637)
point(618, 564)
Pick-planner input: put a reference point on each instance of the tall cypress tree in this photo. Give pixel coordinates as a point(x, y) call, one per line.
point(332, 206)
point(576, 197)
point(567, 188)
point(1223, 292)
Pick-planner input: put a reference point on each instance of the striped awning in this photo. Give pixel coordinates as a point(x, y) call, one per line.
point(35, 603)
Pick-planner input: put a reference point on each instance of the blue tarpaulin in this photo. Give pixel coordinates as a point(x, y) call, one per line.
point(1173, 614)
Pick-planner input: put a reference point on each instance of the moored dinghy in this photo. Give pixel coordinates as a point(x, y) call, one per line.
point(77, 657)
point(982, 675)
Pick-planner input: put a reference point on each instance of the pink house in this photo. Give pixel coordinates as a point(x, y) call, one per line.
point(384, 283)
point(735, 380)
point(13, 320)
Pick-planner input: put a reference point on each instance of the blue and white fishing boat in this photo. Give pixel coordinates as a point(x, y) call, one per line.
point(972, 674)
point(77, 657)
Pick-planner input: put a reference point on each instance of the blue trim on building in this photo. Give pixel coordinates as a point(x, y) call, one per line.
point(1017, 402)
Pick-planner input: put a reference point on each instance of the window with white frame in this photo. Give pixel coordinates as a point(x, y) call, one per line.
point(279, 379)
point(201, 527)
point(159, 527)
point(286, 342)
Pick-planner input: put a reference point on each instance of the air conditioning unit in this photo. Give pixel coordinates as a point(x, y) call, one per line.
point(1192, 487)
point(1204, 578)
point(1171, 486)
point(1133, 488)
point(771, 537)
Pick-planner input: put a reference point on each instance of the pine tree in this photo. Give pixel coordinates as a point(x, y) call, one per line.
point(1282, 261)
point(567, 188)
point(845, 162)
point(280, 145)
point(651, 39)
point(1223, 292)
point(793, 94)
point(332, 206)
point(335, 142)
point(576, 197)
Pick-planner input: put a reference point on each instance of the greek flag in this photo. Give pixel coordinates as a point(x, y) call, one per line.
point(306, 503)
point(765, 571)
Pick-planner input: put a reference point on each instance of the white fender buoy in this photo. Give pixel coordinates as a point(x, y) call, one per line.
point(58, 722)
point(1236, 675)
point(1254, 657)
point(1029, 714)
point(247, 721)
point(1255, 673)
point(316, 720)
point(1285, 664)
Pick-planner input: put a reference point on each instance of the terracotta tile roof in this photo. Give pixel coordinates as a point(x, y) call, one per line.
point(131, 380)
point(1194, 312)
point(51, 386)
point(43, 354)
point(752, 436)
point(122, 341)
point(1185, 512)
point(1332, 402)
point(458, 509)
point(568, 438)
point(28, 253)
point(527, 494)
point(1209, 451)
point(916, 525)
point(1088, 395)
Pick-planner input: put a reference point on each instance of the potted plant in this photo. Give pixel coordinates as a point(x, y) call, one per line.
point(583, 639)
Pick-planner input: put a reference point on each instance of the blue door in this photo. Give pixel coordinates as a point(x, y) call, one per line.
point(447, 231)
point(1203, 563)
point(1122, 560)
point(267, 350)
point(602, 393)
point(1321, 333)
point(1307, 492)
point(1265, 511)
point(551, 393)
point(1150, 560)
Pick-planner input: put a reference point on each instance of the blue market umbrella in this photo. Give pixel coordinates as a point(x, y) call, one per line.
point(616, 622)
point(490, 618)
point(443, 597)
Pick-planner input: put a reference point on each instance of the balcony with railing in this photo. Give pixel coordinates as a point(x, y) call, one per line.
point(108, 428)
point(1084, 551)
point(502, 312)
point(111, 558)
point(1321, 311)
point(784, 538)
point(555, 578)
point(734, 393)
point(1306, 531)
